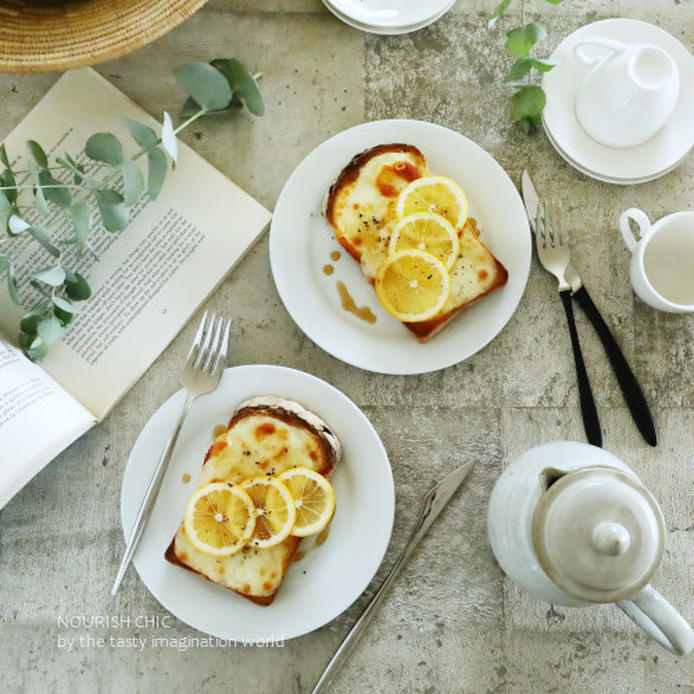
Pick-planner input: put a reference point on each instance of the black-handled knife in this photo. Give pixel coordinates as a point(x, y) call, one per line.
point(631, 390)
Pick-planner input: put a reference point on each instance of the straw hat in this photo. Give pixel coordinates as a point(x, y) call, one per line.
point(43, 35)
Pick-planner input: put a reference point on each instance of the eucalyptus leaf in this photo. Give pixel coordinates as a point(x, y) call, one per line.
point(190, 108)
point(63, 309)
point(104, 147)
point(7, 181)
point(526, 106)
point(168, 137)
point(64, 305)
point(242, 84)
point(520, 40)
point(52, 276)
point(3, 156)
point(46, 293)
point(205, 84)
point(522, 67)
point(156, 172)
point(12, 283)
point(37, 349)
point(76, 287)
point(114, 212)
point(554, 2)
point(50, 330)
point(30, 322)
point(142, 134)
point(499, 10)
point(42, 236)
point(81, 218)
point(5, 210)
point(133, 182)
point(57, 193)
point(37, 153)
point(39, 198)
point(17, 225)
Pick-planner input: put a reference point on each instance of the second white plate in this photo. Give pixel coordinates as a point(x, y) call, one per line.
point(330, 577)
point(301, 242)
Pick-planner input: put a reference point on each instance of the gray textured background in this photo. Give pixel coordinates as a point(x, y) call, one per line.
point(452, 622)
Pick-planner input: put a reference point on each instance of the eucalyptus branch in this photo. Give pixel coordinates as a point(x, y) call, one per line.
point(219, 87)
point(529, 99)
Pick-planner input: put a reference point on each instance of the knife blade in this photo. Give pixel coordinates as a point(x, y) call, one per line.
point(433, 503)
point(530, 199)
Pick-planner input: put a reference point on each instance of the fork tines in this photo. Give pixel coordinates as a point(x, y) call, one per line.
point(210, 345)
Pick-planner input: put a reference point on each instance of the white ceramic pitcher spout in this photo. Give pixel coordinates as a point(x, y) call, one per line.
point(572, 525)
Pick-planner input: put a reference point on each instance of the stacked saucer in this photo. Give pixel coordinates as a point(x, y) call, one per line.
point(388, 16)
point(643, 162)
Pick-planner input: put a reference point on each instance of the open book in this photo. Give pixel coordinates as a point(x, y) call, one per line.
point(146, 283)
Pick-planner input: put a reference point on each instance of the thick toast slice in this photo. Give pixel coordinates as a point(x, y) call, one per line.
point(266, 435)
point(361, 209)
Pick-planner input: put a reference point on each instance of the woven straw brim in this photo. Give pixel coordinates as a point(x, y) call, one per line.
point(44, 35)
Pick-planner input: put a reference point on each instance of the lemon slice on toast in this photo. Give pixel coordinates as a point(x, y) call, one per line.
point(275, 510)
point(437, 194)
point(412, 285)
point(428, 232)
point(219, 519)
point(314, 499)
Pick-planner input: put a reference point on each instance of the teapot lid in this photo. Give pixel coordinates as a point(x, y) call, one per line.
point(598, 534)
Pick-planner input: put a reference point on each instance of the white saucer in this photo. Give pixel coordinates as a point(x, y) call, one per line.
point(329, 578)
point(388, 17)
point(607, 179)
point(301, 242)
point(646, 162)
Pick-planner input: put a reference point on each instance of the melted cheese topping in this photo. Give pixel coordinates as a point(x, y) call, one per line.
point(255, 445)
point(364, 210)
point(473, 272)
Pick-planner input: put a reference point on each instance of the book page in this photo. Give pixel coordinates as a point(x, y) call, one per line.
point(149, 278)
point(38, 419)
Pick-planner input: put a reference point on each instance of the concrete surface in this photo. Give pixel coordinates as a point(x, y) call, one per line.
point(453, 623)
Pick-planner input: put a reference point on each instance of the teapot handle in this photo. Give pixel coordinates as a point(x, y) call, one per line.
point(586, 59)
point(660, 620)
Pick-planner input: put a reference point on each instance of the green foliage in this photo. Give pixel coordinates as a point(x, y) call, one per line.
point(108, 177)
point(527, 105)
point(529, 100)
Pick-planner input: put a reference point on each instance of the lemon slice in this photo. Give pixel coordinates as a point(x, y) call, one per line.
point(274, 508)
point(429, 232)
point(412, 285)
point(219, 519)
point(436, 194)
point(314, 499)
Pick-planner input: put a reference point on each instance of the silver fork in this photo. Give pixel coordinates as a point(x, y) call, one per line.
point(553, 251)
point(205, 363)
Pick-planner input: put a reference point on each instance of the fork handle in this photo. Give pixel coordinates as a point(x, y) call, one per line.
point(589, 412)
point(150, 497)
point(631, 390)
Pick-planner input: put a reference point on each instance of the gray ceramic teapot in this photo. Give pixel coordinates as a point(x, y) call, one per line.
point(571, 524)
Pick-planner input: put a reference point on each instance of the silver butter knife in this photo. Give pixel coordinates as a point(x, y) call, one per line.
point(432, 504)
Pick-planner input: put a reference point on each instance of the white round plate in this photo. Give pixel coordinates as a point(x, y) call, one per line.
point(330, 577)
point(393, 14)
point(647, 161)
point(388, 29)
point(607, 179)
point(301, 242)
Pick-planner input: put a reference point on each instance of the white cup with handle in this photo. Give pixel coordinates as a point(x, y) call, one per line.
point(629, 93)
point(662, 259)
